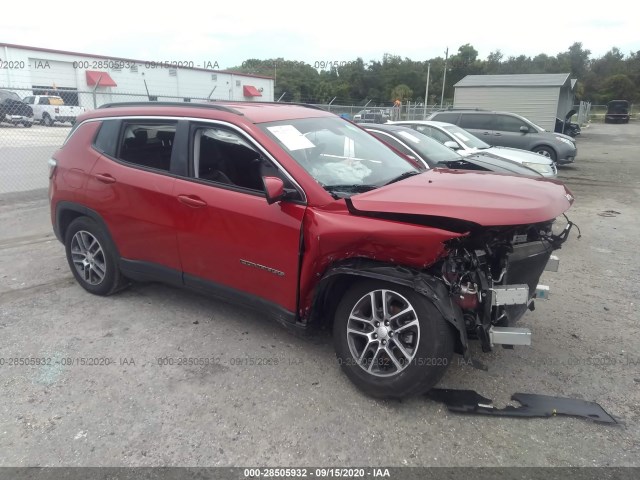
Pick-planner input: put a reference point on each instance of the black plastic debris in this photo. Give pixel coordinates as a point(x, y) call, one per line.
point(532, 405)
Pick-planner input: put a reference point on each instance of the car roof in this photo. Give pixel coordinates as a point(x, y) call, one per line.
point(254, 112)
point(433, 123)
point(390, 127)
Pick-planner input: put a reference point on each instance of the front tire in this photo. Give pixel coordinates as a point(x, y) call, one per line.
point(546, 152)
point(391, 341)
point(92, 258)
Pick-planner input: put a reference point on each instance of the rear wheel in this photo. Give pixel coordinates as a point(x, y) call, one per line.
point(391, 341)
point(46, 120)
point(92, 258)
point(27, 124)
point(546, 152)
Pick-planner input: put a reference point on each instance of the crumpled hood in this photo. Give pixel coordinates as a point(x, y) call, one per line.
point(465, 199)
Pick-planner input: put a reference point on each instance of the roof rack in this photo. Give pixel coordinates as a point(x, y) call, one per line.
point(172, 104)
point(298, 104)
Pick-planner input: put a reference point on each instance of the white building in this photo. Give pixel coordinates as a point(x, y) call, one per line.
point(539, 97)
point(91, 80)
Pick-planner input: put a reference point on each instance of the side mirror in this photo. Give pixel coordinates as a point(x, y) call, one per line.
point(274, 187)
point(524, 129)
point(452, 145)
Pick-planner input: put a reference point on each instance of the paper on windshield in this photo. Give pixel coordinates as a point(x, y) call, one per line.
point(409, 136)
point(291, 137)
point(461, 136)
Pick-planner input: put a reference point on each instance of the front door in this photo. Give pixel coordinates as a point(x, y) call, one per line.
point(229, 237)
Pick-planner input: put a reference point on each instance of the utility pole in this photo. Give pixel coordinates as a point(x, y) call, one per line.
point(426, 91)
point(444, 77)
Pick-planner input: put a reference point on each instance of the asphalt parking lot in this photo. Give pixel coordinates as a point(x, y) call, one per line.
point(273, 399)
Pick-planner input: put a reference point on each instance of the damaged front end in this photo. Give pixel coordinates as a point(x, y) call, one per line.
point(492, 275)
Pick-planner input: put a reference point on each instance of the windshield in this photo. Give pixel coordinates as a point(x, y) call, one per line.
point(337, 154)
point(464, 137)
point(4, 94)
point(428, 148)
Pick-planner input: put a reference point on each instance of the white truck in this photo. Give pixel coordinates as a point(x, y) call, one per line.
point(48, 109)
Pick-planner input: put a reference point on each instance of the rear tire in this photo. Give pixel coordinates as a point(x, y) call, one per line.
point(92, 257)
point(396, 351)
point(47, 121)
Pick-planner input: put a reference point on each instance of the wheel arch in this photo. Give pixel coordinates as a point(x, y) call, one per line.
point(341, 275)
point(67, 212)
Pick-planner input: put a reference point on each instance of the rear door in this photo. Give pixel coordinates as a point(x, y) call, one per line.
point(231, 240)
point(507, 132)
point(131, 187)
point(480, 124)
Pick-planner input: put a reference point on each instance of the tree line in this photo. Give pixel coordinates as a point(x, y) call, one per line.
point(614, 75)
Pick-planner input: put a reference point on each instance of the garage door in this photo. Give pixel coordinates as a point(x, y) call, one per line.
point(60, 74)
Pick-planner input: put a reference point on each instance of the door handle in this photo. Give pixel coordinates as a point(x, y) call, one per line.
point(487, 133)
point(192, 201)
point(497, 134)
point(105, 178)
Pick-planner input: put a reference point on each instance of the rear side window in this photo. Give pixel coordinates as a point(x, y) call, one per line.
point(449, 117)
point(148, 144)
point(107, 139)
point(507, 123)
point(43, 101)
point(478, 121)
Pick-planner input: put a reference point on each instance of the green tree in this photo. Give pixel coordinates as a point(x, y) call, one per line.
point(401, 92)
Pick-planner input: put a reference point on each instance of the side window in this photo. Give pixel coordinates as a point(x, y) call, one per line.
point(28, 100)
point(433, 133)
point(225, 157)
point(449, 117)
point(388, 139)
point(507, 123)
point(107, 139)
point(43, 101)
point(148, 144)
point(477, 121)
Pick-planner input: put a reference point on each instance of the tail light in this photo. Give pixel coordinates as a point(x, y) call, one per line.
point(52, 166)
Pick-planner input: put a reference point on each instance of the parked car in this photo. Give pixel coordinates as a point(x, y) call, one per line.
point(566, 126)
point(312, 221)
point(371, 116)
point(504, 129)
point(467, 144)
point(14, 110)
point(617, 112)
point(48, 109)
point(432, 154)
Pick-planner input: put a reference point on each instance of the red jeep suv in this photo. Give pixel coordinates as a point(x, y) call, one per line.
point(310, 219)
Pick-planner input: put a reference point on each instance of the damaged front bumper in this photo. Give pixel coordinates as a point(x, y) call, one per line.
point(494, 280)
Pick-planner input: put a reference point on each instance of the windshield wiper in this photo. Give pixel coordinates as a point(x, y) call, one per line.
point(408, 174)
point(350, 188)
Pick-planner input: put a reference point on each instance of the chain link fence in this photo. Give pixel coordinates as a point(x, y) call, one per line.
point(26, 144)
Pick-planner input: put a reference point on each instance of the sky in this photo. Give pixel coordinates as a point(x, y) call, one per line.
point(230, 32)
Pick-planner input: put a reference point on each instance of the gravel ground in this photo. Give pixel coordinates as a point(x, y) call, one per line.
point(299, 409)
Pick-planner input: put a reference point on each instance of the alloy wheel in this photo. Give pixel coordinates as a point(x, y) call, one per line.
point(383, 333)
point(88, 257)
